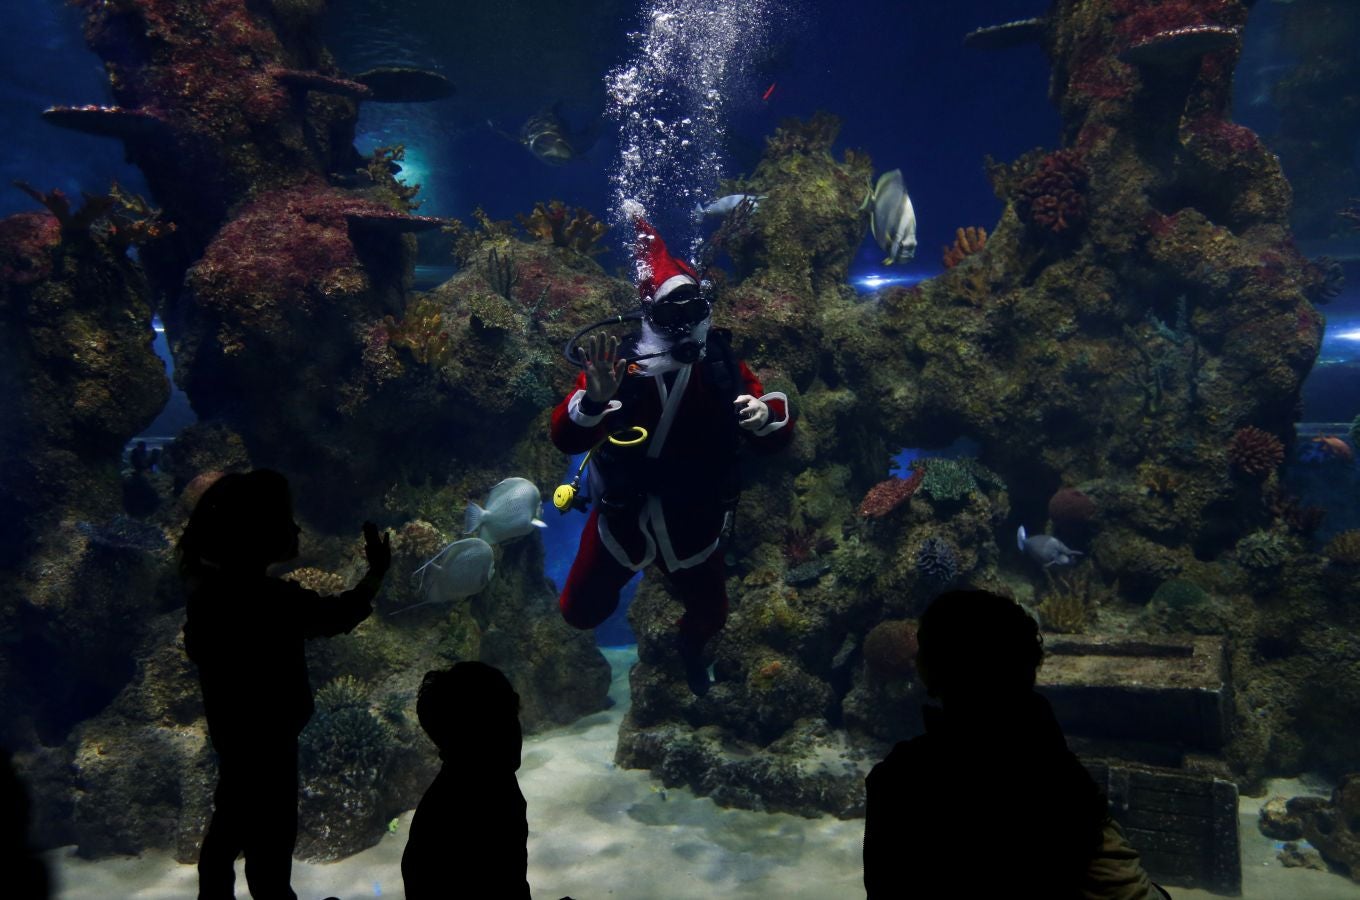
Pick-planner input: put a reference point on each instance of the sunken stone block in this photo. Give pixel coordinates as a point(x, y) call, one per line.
point(1183, 826)
point(1138, 698)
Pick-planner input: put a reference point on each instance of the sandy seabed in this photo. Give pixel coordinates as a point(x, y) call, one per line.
point(596, 830)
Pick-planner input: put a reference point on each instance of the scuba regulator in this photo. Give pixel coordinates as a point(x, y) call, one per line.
point(567, 496)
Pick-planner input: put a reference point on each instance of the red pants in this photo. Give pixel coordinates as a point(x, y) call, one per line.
point(592, 590)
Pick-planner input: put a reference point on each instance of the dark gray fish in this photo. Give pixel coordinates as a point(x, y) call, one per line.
point(1045, 549)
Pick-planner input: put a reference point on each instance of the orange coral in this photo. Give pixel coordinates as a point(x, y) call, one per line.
point(886, 496)
point(967, 241)
point(550, 223)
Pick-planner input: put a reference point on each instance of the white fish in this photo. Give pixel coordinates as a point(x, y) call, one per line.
point(724, 205)
point(1045, 549)
point(511, 511)
point(461, 569)
point(892, 219)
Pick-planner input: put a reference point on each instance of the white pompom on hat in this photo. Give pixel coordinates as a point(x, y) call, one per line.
point(659, 273)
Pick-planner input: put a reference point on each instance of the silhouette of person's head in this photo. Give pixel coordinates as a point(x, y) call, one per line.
point(976, 646)
point(243, 521)
point(471, 712)
point(26, 873)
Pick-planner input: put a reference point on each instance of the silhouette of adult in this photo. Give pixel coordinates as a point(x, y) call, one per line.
point(245, 631)
point(989, 802)
point(25, 872)
point(469, 836)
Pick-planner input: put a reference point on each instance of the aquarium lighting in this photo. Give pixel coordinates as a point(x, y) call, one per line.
point(1353, 335)
point(876, 280)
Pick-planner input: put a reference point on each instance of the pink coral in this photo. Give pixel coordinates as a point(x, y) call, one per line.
point(1254, 451)
point(1053, 196)
point(886, 496)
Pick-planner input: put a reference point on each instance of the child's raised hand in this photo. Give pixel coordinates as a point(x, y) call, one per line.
point(378, 552)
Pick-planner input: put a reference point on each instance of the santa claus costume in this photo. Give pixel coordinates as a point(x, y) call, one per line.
point(663, 501)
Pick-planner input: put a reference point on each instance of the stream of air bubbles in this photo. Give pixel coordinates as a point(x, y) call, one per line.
point(670, 101)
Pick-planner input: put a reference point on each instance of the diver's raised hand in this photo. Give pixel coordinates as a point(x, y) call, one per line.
point(377, 552)
point(752, 414)
point(604, 368)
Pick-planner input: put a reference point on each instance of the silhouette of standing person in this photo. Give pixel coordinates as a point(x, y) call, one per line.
point(245, 631)
point(469, 836)
point(989, 802)
point(25, 871)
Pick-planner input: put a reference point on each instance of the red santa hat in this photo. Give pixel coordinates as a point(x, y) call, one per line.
point(659, 273)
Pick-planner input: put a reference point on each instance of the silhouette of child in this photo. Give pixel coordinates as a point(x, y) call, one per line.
point(989, 802)
point(245, 631)
point(469, 835)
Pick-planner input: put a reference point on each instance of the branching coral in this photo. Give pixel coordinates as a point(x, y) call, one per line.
point(500, 272)
point(967, 241)
point(580, 232)
point(804, 544)
point(117, 218)
point(382, 167)
point(1066, 607)
point(1285, 507)
point(468, 242)
point(1344, 549)
point(1255, 452)
point(1052, 197)
point(886, 496)
point(422, 332)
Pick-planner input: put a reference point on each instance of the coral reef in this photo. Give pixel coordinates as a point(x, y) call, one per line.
point(1067, 604)
point(967, 241)
point(1052, 197)
point(1262, 551)
point(890, 650)
point(1344, 549)
point(574, 229)
point(1071, 511)
point(886, 496)
point(937, 561)
point(1333, 826)
point(1255, 452)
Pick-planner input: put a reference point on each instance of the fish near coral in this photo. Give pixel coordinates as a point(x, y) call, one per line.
point(461, 569)
point(724, 205)
point(1327, 448)
point(892, 219)
point(511, 511)
point(1045, 549)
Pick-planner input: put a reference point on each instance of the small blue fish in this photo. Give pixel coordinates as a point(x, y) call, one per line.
point(1045, 549)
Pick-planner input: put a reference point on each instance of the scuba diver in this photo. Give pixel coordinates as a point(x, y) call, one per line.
point(663, 415)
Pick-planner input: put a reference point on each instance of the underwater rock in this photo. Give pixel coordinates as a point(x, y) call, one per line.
point(1010, 34)
point(1177, 46)
point(108, 121)
point(404, 84)
point(890, 650)
point(319, 81)
point(1277, 822)
point(1292, 856)
point(1333, 826)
